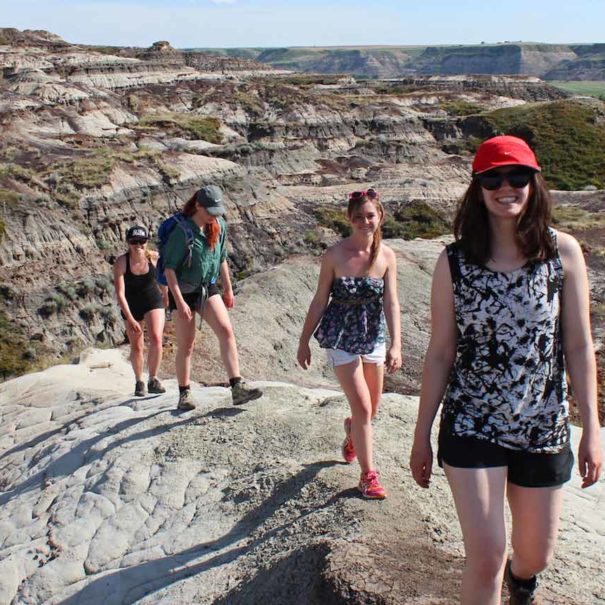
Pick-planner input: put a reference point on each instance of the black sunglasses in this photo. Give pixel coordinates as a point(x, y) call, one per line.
point(517, 179)
point(370, 193)
point(135, 241)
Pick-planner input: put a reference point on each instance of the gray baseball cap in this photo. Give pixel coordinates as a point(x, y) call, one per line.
point(211, 198)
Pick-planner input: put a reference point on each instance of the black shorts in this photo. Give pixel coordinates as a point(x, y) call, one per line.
point(192, 297)
point(526, 469)
point(144, 302)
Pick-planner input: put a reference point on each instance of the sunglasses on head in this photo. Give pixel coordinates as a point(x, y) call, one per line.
point(517, 179)
point(135, 241)
point(370, 193)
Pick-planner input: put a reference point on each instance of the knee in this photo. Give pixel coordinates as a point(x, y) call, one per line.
point(155, 341)
point(225, 333)
point(136, 347)
point(361, 411)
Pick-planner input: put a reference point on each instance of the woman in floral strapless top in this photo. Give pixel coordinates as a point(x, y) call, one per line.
point(358, 277)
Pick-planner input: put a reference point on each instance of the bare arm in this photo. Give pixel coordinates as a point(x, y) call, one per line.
point(182, 307)
point(316, 308)
point(580, 355)
point(438, 363)
point(392, 313)
point(119, 269)
point(228, 298)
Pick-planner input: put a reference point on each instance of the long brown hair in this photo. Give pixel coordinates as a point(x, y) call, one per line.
point(357, 202)
point(471, 225)
point(212, 230)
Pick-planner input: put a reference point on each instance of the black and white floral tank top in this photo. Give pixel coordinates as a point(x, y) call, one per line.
point(508, 382)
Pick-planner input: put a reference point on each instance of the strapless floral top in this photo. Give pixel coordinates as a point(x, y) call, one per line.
point(354, 319)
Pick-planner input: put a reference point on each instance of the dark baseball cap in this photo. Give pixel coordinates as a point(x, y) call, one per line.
point(211, 198)
point(137, 232)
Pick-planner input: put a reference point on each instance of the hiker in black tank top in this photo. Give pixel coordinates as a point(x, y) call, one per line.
point(140, 299)
point(510, 315)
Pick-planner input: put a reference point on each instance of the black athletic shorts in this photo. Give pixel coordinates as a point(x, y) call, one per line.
point(191, 298)
point(526, 469)
point(145, 301)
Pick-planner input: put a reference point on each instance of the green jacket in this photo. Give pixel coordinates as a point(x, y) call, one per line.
point(205, 263)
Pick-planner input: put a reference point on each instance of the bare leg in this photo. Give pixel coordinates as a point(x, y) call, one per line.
point(154, 320)
point(217, 317)
point(352, 380)
point(137, 345)
point(535, 512)
point(185, 337)
point(479, 497)
point(374, 377)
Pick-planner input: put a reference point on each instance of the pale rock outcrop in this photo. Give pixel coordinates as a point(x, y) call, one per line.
point(110, 499)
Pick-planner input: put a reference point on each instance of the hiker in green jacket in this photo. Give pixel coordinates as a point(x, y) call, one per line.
point(192, 271)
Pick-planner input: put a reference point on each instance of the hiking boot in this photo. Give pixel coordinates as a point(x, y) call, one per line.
point(155, 386)
point(348, 451)
point(521, 592)
point(186, 402)
point(242, 392)
point(370, 487)
point(139, 388)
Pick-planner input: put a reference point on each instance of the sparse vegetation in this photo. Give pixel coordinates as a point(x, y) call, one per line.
point(334, 219)
point(568, 137)
point(14, 359)
point(198, 127)
point(577, 219)
point(416, 219)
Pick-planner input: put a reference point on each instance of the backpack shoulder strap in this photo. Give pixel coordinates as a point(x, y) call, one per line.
point(182, 224)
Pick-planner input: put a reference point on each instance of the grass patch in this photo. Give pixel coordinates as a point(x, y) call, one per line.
point(8, 197)
point(576, 218)
point(413, 220)
point(582, 87)
point(459, 107)
point(334, 219)
point(14, 360)
point(568, 137)
point(197, 127)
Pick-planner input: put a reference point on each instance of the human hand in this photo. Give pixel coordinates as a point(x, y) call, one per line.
point(393, 360)
point(184, 311)
point(304, 355)
point(590, 457)
point(421, 462)
point(229, 299)
point(134, 325)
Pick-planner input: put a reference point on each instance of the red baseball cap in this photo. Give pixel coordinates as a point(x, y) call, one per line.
point(504, 150)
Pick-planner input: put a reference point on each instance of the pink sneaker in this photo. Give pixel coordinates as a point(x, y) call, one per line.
point(348, 451)
point(370, 487)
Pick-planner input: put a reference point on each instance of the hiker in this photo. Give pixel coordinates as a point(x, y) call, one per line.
point(140, 299)
point(510, 314)
point(192, 270)
point(358, 275)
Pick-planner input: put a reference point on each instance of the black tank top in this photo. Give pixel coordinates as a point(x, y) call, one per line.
point(138, 287)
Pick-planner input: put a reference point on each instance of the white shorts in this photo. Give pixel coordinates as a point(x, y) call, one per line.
point(337, 357)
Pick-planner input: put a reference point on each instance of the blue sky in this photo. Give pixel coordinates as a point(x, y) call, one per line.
point(232, 23)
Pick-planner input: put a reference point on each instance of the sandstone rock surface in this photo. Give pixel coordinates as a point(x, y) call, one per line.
point(107, 499)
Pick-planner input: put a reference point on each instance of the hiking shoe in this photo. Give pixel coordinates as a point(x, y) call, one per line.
point(186, 402)
point(348, 451)
point(242, 392)
point(155, 386)
point(521, 592)
point(370, 487)
point(139, 388)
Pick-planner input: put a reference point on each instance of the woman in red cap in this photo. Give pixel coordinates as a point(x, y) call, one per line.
point(140, 299)
point(510, 315)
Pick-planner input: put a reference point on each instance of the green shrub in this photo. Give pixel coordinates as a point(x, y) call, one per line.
point(576, 218)
point(334, 219)
point(417, 219)
point(14, 356)
point(88, 312)
point(8, 197)
point(459, 107)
